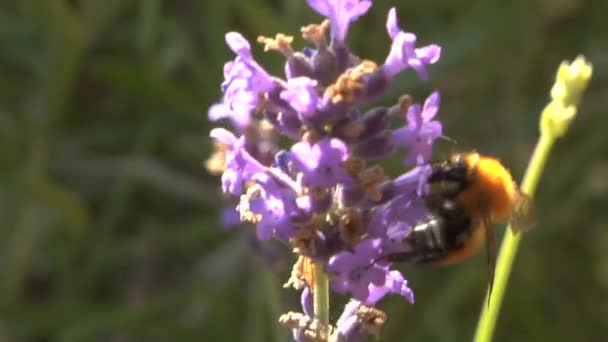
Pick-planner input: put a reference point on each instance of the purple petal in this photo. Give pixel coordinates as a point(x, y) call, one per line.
point(414, 116)
point(323, 7)
point(238, 44)
point(217, 111)
point(336, 148)
point(303, 153)
point(348, 323)
point(340, 285)
point(431, 106)
point(321, 163)
point(403, 137)
point(431, 130)
point(232, 182)
point(301, 95)
point(307, 301)
point(392, 25)
point(403, 53)
point(395, 284)
point(240, 116)
point(419, 153)
point(368, 250)
point(230, 217)
point(360, 291)
point(223, 135)
point(397, 59)
point(358, 8)
point(411, 179)
point(264, 231)
point(429, 54)
point(341, 13)
point(376, 275)
point(340, 263)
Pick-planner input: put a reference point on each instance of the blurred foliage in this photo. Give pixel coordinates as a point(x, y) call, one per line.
point(109, 225)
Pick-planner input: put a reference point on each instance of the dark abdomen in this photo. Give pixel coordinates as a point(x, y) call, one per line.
point(444, 235)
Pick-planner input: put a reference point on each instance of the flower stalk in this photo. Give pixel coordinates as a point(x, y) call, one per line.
point(571, 81)
point(321, 297)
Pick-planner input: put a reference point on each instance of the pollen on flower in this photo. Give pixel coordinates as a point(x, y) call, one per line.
point(310, 136)
point(351, 226)
point(262, 103)
point(403, 104)
point(317, 332)
point(370, 179)
point(309, 330)
point(354, 166)
point(253, 191)
point(302, 274)
point(354, 129)
point(318, 192)
point(349, 85)
point(304, 240)
point(266, 127)
point(294, 320)
point(316, 33)
point(371, 318)
point(216, 164)
point(281, 43)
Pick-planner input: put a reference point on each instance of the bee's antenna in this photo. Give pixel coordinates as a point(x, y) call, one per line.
point(448, 139)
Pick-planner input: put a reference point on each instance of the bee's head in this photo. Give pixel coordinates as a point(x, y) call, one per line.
point(453, 170)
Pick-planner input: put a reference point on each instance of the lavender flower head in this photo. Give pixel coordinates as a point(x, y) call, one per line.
point(322, 194)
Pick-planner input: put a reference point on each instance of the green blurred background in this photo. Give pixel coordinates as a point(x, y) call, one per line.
point(109, 224)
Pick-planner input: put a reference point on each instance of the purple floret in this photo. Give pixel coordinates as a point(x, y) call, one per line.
point(321, 162)
point(404, 53)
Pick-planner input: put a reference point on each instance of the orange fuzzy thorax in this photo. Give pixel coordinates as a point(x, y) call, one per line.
point(491, 191)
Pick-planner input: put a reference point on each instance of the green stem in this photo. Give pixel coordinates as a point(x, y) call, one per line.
point(489, 313)
point(321, 296)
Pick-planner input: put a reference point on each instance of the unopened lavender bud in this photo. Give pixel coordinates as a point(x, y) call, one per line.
point(348, 130)
point(298, 65)
point(374, 122)
point(324, 66)
point(351, 196)
point(344, 59)
point(375, 147)
point(287, 123)
point(376, 85)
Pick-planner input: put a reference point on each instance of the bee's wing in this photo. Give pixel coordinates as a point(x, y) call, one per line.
point(523, 215)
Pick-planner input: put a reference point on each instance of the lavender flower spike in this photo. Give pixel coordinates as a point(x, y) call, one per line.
point(317, 189)
point(404, 53)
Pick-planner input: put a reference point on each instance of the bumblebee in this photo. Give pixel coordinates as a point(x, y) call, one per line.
point(470, 194)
